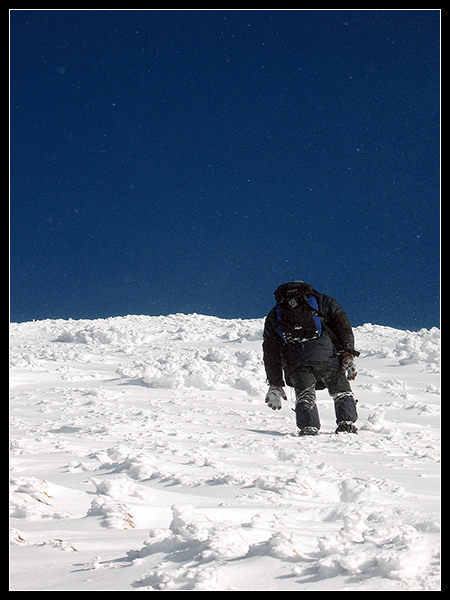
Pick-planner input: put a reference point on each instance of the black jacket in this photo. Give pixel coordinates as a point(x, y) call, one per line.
point(337, 337)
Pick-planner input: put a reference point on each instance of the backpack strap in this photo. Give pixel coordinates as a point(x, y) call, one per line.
point(312, 301)
point(280, 326)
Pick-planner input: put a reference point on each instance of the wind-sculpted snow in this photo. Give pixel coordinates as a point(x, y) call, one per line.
point(143, 458)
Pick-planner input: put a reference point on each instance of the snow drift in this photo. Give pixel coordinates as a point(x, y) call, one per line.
point(144, 458)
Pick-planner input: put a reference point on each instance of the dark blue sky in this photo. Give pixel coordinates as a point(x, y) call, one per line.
point(192, 161)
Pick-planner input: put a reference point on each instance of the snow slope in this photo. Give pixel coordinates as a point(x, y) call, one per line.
point(144, 458)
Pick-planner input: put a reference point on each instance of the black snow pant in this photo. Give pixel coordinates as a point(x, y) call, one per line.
point(304, 381)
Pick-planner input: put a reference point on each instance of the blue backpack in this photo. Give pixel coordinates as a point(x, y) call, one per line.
point(297, 313)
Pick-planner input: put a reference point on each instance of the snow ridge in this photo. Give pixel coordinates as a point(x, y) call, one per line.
point(144, 458)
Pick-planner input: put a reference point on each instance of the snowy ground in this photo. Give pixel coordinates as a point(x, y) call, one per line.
point(144, 458)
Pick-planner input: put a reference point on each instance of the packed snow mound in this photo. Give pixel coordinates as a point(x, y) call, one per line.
point(422, 347)
point(143, 457)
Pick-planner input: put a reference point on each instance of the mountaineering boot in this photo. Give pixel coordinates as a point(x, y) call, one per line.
point(345, 407)
point(346, 427)
point(306, 413)
point(309, 431)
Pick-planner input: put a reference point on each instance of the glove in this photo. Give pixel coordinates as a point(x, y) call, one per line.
point(348, 366)
point(273, 397)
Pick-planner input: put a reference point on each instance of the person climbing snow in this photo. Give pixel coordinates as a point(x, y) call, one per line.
point(308, 336)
